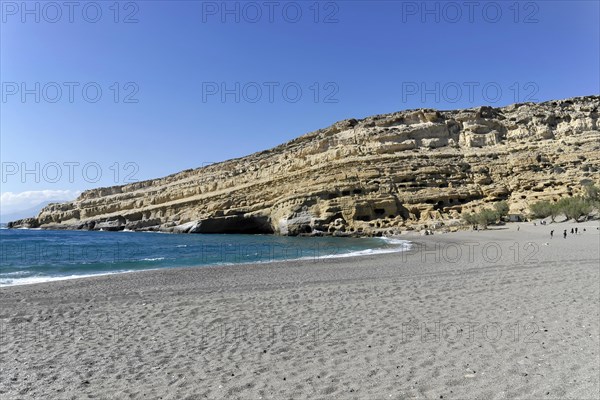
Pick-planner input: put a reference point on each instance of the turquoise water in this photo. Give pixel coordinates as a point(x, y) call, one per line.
point(30, 256)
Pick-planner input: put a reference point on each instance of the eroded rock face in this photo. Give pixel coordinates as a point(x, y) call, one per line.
point(374, 176)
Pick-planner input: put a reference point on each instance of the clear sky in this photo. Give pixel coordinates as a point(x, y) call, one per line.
point(185, 83)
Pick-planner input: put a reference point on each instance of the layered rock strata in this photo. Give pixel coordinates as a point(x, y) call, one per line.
point(378, 175)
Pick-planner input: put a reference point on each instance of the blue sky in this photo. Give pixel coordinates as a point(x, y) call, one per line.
point(185, 83)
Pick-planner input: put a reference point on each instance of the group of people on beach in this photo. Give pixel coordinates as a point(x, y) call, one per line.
point(574, 231)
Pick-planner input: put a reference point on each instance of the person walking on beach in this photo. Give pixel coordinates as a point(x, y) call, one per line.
point(551, 234)
point(571, 231)
point(576, 231)
point(565, 234)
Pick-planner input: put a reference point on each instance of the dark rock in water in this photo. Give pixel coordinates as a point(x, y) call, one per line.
point(87, 226)
point(111, 224)
point(142, 224)
point(24, 223)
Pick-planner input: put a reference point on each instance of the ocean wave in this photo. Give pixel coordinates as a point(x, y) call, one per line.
point(15, 273)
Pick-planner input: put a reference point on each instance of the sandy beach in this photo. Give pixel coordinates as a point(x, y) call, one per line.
point(495, 314)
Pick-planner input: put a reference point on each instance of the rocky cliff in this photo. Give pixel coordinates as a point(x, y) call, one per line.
point(378, 175)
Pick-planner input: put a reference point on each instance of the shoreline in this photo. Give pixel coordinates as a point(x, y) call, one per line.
point(411, 238)
point(425, 323)
point(398, 243)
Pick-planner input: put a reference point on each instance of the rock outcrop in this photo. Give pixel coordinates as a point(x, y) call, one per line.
point(379, 175)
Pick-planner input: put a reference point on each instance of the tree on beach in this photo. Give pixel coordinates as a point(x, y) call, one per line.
point(501, 208)
point(470, 219)
point(574, 207)
point(592, 194)
point(487, 216)
point(554, 211)
point(544, 209)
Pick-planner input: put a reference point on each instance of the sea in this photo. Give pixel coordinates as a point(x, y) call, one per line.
point(31, 255)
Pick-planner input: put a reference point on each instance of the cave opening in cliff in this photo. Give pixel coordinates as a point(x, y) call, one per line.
point(236, 224)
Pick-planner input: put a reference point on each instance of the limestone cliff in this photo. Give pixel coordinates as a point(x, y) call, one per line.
point(378, 175)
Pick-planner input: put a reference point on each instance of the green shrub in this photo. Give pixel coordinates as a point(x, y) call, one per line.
point(575, 207)
point(470, 218)
point(592, 192)
point(501, 208)
point(487, 216)
point(543, 209)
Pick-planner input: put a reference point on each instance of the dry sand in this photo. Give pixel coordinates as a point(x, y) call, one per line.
point(513, 315)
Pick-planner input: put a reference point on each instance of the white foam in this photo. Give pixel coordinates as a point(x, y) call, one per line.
point(42, 279)
point(395, 241)
point(399, 246)
point(16, 273)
